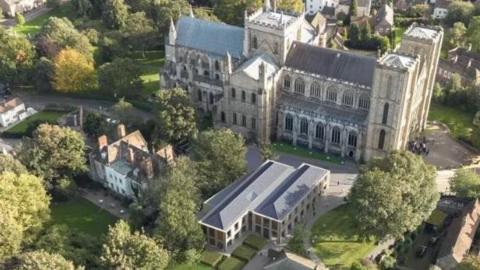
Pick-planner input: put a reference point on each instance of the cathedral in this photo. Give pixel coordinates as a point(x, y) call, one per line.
point(273, 80)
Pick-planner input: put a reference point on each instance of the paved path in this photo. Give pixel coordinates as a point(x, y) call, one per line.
point(31, 15)
point(106, 202)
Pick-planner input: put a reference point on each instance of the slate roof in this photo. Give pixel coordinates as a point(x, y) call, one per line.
point(252, 66)
point(397, 60)
point(272, 182)
point(332, 63)
point(211, 37)
point(385, 14)
point(421, 32)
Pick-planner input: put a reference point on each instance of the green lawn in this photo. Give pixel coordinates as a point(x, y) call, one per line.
point(335, 239)
point(151, 64)
point(20, 129)
point(399, 34)
point(304, 152)
point(33, 26)
point(192, 267)
point(82, 215)
point(459, 122)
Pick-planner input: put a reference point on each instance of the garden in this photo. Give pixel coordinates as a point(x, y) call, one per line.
point(21, 129)
point(459, 122)
point(280, 147)
point(335, 240)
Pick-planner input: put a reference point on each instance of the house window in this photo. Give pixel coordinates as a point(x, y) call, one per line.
point(352, 139)
point(319, 131)
point(233, 93)
point(254, 123)
point(304, 126)
point(364, 102)
point(332, 95)
point(234, 120)
point(288, 122)
point(336, 135)
point(243, 96)
point(222, 117)
point(347, 99)
point(299, 86)
point(286, 82)
point(254, 98)
point(244, 121)
point(381, 139)
point(385, 113)
point(315, 90)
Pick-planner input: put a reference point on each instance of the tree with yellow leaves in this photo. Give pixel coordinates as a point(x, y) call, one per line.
point(290, 5)
point(73, 72)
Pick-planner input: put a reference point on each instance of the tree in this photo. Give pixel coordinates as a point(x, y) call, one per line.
point(24, 208)
point(469, 263)
point(43, 75)
point(353, 8)
point(163, 10)
point(457, 35)
point(126, 250)
point(124, 112)
point(466, 183)
point(83, 7)
point(95, 124)
point(220, 154)
point(120, 78)
point(9, 164)
point(54, 153)
point(60, 33)
point(291, 5)
point(459, 11)
point(73, 72)
point(79, 247)
point(42, 260)
point(393, 195)
point(473, 33)
point(115, 14)
point(140, 32)
point(177, 224)
point(365, 32)
point(175, 115)
point(267, 151)
point(354, 35)
point(233, 11)
point(17, 54)
point(205, 14)
point(19, 19)
point(297, 242)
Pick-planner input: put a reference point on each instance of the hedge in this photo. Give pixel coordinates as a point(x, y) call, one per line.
point(255, 241)
point(244, 253)
point(231, 264)
point(211, 258)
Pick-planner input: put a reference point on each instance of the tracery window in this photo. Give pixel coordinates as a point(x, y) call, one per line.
point(315, 90)
point(300, 86)
point(336, 135)
point(288, 122)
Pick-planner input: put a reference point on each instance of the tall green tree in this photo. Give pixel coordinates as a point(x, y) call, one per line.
point(290, 5)
point(177, 224)
point(54, 153)
point(457, 35)
point(115, 14)
point(24, 208)
point(140, 32)
point(126, 250)
point(42, 260)
point(175, 115)
point(84, 8)
point(120, 78)
point(466, 183)
point(58, 34)
point(220, 155)
point(393, 195)
point(473, 33)
point(233, 11)
point(163, 10)
point(18, 56)
point(469, 263)
point(95, 124)
point(459, 11)
point(353, 8)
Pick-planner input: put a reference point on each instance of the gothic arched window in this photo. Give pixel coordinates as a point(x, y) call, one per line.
point(381, 139)
point(320, 131)
point(347, 98)
point(299, 86)
point(364, 102)
point(332, 94)
point(336, 135)
point(288, 122)
point(352, 139)
point(315, 90)
point(385, 114)
point(286, 82)
point(304, 126)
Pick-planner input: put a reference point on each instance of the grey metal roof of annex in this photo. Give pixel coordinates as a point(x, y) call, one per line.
point(211, 37)
point(332, 63)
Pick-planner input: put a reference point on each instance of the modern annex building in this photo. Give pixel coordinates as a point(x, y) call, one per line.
point(270, 201)
point(271, 79)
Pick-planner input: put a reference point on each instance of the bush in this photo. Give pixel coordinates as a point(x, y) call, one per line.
point(19, 19)
point(255, 241)
point(244, 253)
point(211, 258)
point(231, 264)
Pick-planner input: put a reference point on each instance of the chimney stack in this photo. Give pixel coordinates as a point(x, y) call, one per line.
point(121, 131)
point(102, 142)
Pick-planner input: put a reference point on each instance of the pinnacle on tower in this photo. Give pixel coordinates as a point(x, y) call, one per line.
point(191, 12)
point(267, 5)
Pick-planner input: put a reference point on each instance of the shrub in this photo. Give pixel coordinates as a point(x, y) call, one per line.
point(211, 258)
point(255, 241)
point(244, 253)
point(231, 264)
point(19, 19)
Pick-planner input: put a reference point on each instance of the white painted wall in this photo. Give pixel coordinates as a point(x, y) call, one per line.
point(11, 116)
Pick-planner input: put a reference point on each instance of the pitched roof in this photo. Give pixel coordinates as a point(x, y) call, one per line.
point(398, 60)
point(332, 63)
point(290, 261)
point(10, 104)
point(421, 32)
point(252, 67)
point(385, 14)
point(211, 37)
point(273, 189)
point(133, 139)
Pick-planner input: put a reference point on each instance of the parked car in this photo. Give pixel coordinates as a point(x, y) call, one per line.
point(421, 251)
